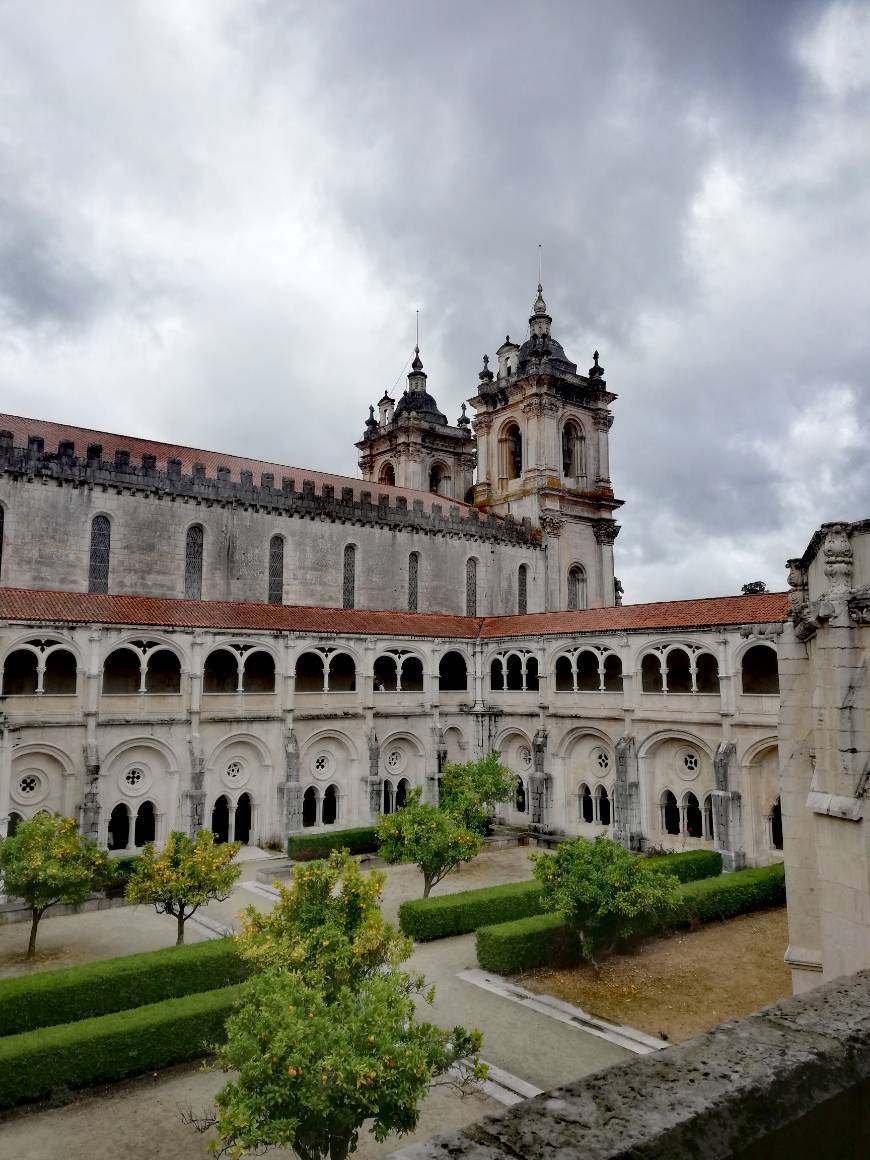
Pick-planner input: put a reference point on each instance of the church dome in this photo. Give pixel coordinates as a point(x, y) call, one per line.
point(424, 405)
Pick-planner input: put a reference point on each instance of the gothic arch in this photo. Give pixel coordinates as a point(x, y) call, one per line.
point(651, 743)
point(577, 733)
point(236, 739)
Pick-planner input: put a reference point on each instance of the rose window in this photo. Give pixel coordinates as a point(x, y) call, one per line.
point(234, 770)
point(603, 760)
point(394, 760)
point(691, 762)
point(525, 755)
point(134, 777)
point(28, 784)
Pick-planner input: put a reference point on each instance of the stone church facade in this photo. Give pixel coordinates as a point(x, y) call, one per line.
point(190, 639)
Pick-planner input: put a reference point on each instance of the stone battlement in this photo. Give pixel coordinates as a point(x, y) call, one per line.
point(267, 494)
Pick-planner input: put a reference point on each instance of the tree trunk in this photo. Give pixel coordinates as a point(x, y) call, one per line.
point(180, 919)
point(31, 946)
point(427, 885)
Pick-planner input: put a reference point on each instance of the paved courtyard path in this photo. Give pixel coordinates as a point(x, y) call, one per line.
point(140, 1119)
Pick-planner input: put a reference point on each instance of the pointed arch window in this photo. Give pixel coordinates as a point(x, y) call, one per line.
point(98, 568)
point(193, 562)
point(349, 583)
point(576, 588)
point(276, 570)
point(471, 587)
point(523, 589)
point(413, 577)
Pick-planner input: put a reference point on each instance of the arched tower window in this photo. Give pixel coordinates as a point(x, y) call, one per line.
point(573, 450)
point(511, 448)
point(523, 589)
point(471, 587)
point(98, 568)
point(387, 475)
point(413, 575)
point(193, 563)
point(576, 588)
point(438, 479)
point(348, 593)
point(276, 570)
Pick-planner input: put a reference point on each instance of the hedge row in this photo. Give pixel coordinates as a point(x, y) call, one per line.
point(305, 847)
point(110, 1047)
point(71, 994)
point(119, 872)
point(429, 918)
point(690, 866)
point(546, 940)
point(460, 913)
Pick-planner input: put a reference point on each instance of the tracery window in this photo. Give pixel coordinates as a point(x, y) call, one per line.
point(523, 589)
point(193, 562)
point(471, 587)
point(349, 584)
point(413, 573)
point(276, 570)
point(98, 569)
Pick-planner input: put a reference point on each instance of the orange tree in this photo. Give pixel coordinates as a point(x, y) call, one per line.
point(48, 861)
point(184, 875)
point(434, 837)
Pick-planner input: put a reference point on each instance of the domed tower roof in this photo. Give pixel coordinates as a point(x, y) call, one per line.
point(540, 344)
point(416, 398)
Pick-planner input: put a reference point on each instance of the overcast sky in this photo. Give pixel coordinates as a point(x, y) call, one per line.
point(217, 220)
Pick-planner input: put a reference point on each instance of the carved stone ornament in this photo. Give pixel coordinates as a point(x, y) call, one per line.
point(606, 531)
point(603, 420)
point(797, 583)
point(552, 525)
point(482, 424)
point(534, 406)
point(838, 557)
point(859, 607)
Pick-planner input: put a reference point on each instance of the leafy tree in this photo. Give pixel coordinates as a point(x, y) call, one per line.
point(325, 1037)
point(49, 861)
point(435, 838)
point(471, 790)
point(184, 875)
point(606, 893)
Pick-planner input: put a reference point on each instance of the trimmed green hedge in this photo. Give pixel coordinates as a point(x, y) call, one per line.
point(111, 1047)
point(74, 993)
point(690, 866)
point(545, 939)
point(119, 871)
point(460, 913)
point(305, 847)
point(467, 910)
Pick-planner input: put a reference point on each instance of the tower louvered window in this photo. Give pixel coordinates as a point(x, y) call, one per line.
point(349, 584)
point(523, 589)
point(193, 563)
point(413, 573)
point(276, 570)
point(98, 567)
point(471, 588)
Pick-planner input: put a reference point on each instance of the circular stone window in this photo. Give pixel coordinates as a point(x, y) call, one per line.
point(688, 764)
point(602, 760)
point(31, 786)
point(524, 755)
point(395, 761)
point(135, 780)
point(235, 773)
point(322, 766)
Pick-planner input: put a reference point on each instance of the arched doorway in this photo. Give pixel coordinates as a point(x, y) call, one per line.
point(309, 807)
point(330, 806)
point(12, 825)
point(389, 797)
point(145, 829)
point(402, 793)
point(220, 820)
point(243, 818)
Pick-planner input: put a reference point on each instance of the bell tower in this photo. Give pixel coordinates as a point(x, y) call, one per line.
point(412, 445)
point(542, 445)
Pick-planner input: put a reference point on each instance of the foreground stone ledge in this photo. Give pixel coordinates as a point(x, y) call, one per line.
point(791, 1080)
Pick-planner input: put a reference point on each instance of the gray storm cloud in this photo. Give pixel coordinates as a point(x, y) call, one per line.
point(217, 220)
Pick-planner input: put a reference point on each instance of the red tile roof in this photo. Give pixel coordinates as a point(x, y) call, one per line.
point(55, 433)
point(36, 605)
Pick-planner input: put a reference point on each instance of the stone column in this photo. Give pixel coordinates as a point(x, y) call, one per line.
point(89, 820)
point(375, 780)
point(193, 798)
point(539, 782)
point(626, 793)
point(603, 423)
point(551, 525)
point(291, 790)
point(5, 775)
point(606, 532)
point(727, 808)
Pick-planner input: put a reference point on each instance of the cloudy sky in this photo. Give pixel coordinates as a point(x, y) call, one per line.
point(217, 219)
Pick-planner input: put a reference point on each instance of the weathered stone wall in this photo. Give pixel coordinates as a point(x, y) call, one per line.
point(791, 1081)
point(825, 738)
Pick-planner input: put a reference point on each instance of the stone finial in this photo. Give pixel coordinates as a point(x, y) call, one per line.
point(371, 422)
point(463, 420)
point(486, 375)
point(540, 306)
point(595, 371)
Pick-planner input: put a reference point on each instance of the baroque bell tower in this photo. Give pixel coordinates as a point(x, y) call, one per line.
point(542, 445)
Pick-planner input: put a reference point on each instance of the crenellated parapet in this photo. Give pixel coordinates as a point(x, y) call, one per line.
point(86, 467)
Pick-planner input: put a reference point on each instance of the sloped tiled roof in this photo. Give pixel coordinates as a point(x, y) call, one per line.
point(54, 433)
point(39, 606)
